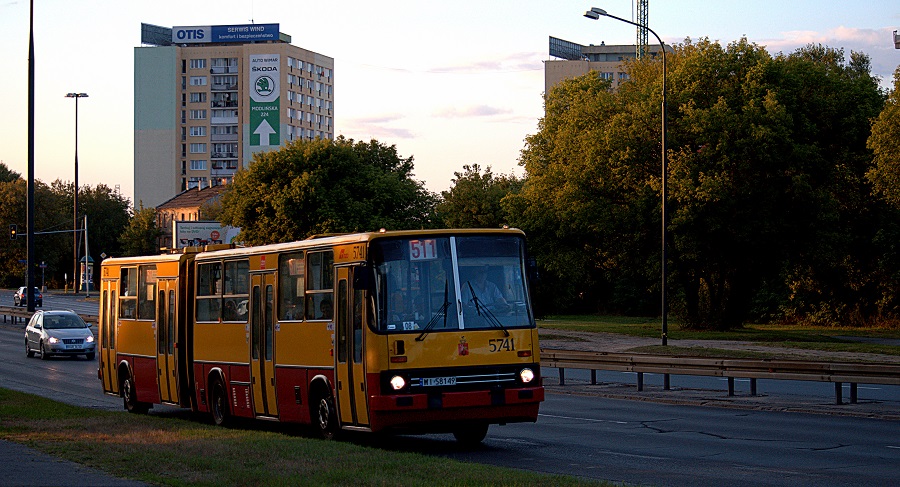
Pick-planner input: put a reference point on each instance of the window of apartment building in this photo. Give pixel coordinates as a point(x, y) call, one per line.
point(198, 80)
point(194, 183)
point(606, 75)
point(198, 148)
point(224, 129)
point(224, 150)
point(198, 97)
point(229, 80)
point(224, 64)
point(198, 114)
point(198, 63)
point(198, 131)
point(224, 113)
point(198, 164)
point(623, 76)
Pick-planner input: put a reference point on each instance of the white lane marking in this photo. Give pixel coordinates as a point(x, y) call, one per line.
point(894, 447)
point(583, 419)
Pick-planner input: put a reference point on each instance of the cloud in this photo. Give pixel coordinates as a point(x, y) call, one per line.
point(512, 63)
point(374, 127)
point(471, 111)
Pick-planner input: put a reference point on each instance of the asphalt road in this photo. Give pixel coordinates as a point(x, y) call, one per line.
point(638, 442)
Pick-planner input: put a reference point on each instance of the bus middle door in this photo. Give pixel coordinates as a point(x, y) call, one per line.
point(351, 370)
point(165, 340)
point(262, 343)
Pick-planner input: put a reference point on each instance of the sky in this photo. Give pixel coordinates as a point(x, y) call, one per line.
point(449, 84)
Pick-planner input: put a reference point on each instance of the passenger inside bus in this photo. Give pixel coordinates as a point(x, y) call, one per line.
point(325, 310)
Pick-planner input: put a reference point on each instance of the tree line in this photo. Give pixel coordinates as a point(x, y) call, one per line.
point(783, 192)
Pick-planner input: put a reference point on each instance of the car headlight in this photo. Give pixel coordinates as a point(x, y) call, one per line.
point(398, 382)
point(526, 375)
point(52, 340)
point(89, 339)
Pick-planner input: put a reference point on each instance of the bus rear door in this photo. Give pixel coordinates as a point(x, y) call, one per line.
point(262, 344)
point(109, 321)
point(351, 370)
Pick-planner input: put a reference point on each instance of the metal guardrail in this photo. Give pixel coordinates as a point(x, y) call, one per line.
point(753, 369)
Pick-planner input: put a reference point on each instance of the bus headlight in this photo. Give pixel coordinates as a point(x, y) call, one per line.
point(526, 375)
point(398, 382)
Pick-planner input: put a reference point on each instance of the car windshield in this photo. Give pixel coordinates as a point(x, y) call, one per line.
point(63, 321)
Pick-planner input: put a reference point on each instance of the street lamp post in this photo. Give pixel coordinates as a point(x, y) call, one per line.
point(595, 13)
point(76, 96)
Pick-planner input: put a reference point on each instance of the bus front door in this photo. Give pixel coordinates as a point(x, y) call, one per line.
point(262, 344)
point(165, 340)
point(109, 322)
point(351, 370)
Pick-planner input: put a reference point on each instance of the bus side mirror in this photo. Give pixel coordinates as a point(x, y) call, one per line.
point(363, 278)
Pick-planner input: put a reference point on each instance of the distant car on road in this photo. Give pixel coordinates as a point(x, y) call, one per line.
point(21, 298)
point(58, 333)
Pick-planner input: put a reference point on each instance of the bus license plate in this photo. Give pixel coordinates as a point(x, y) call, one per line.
point(439, 381)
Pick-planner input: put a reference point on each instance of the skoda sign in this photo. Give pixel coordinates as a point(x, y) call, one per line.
point(265, 102)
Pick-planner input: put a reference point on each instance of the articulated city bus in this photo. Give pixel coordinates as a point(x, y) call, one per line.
point(405, 331)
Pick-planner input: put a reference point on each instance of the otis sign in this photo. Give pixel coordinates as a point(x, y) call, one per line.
point(225, 33)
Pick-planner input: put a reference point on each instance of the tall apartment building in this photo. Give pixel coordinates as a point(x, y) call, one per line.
point(206, 98)
point(577, 60)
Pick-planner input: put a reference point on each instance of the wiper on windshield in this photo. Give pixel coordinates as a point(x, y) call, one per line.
point(442, 311)
point(488, 315)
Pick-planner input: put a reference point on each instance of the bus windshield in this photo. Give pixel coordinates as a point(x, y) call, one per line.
point(450, 283)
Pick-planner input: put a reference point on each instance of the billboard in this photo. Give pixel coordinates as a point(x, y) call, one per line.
point(224, 33)
point(265, 102)
point(196, 233)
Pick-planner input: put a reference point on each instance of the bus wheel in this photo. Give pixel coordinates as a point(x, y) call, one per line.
point(132, 405)
point(324, 416)
point(471, 434)
point(219, 404)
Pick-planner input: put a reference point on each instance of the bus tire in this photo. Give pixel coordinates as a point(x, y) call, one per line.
point(218, 404)
point(129, 396)
point(471, 434)
point(324, 416)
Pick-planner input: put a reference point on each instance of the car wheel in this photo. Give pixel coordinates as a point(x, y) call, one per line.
point(470, 435)
point(219, 404)
point(28, 351)
point(44, 354)
point(89, 356)
point(324, 416)
point(132, 405)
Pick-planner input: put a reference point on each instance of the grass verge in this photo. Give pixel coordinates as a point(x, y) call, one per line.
point(805, 337)
point(174, 451)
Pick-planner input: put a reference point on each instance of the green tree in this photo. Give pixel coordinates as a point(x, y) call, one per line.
point(766, 157)
point(141, 235)
point(108, 216)
point(474, 199)
point(49, 247)
point(7, 175)
point(321, 186)
point(884, 142)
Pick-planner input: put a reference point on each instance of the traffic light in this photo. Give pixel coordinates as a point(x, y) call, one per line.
point(13, 229)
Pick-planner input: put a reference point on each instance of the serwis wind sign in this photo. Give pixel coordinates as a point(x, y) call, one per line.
point(224, 33)
point(265, 103)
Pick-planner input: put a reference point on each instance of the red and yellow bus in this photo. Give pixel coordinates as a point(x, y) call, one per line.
point(405, 331)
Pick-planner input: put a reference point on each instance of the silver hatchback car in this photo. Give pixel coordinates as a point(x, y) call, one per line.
point(58, 333)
